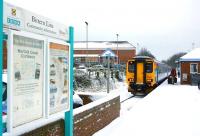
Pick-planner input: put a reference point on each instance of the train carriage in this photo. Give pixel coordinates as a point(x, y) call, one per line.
point(143, 74)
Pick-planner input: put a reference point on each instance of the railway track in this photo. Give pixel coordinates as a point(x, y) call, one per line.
point(159, 83)
point(142, 96)
point(127, 99)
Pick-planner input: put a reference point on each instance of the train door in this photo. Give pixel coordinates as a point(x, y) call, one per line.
point(140, 73)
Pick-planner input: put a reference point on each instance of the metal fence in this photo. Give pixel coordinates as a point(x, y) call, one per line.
point(195, 78)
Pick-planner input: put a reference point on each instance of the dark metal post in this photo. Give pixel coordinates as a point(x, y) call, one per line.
point(108, 75)
point(87, 59)
point(117, 50)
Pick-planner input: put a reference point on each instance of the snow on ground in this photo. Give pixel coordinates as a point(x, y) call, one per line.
point(77, 99)
point(122, 89)
point(129, 104)
point(170, 110)
point(97, 97)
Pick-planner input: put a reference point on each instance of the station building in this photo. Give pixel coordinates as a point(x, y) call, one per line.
point(190, 67)
point(91, 51)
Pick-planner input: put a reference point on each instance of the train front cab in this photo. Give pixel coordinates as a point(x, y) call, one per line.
point(141, 75)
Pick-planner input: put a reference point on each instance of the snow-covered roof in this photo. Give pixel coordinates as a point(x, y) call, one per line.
point(108, 52)
point(86, 55)
point(193, 55)
point(103, 45)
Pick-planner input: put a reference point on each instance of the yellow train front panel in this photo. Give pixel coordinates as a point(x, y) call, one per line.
point(140, 73)
point(144, 73)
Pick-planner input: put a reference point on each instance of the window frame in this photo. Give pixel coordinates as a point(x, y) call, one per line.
point(191, 67)
point(131, 71)
point(149, 62)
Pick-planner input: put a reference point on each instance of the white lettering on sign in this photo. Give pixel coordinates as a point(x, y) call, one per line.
point(13, 21)
point(20, 19)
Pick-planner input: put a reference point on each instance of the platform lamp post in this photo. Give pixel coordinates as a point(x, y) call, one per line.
point(193, 45)
point(87, 60)
point(117, 50)
point(108, 76)
point(138, 46)
point(1, 63)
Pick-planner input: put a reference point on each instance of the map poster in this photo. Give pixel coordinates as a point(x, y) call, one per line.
point(58, 77)
point(27, 79)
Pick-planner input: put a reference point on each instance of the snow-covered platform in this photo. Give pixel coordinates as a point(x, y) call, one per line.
point(170, 110)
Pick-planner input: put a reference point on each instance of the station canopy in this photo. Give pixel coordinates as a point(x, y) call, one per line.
point(108, 52)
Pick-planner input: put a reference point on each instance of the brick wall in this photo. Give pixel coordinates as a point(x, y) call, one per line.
point(124, 55)
point(53, 129)
point(87, 122)
point(95, 118)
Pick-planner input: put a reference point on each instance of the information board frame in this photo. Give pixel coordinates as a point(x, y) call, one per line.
point(10, 128)
point(67, 39)
point(1, 64)
point(56, 41)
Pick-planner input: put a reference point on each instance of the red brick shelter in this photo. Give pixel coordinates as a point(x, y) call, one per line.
point(189, 64)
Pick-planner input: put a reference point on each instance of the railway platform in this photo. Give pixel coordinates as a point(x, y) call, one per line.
point(170, 110)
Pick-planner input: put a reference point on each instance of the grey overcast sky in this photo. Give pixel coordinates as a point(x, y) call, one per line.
point(164, 27)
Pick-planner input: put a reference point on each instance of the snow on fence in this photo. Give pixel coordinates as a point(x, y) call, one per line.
point(94, 116)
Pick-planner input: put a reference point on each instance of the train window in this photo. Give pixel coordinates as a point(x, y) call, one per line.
point(131, 66)
point(149, 67)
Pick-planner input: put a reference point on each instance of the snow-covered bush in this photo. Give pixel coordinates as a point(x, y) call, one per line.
point(81, 78)
point(85, 83)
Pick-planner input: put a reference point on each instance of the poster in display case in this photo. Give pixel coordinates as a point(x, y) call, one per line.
point(58, 77)
point(27, 78)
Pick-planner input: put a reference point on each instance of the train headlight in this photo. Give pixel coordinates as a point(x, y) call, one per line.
point(130, 79)
point(149, 80)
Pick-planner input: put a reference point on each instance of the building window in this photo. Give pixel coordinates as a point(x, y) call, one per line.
point(194, 68)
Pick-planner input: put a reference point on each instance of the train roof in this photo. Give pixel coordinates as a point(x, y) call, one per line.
point(146, 57)
point(142, 57)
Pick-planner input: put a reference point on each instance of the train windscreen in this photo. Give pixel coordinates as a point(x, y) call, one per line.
point(131, 66)
point(149, 67)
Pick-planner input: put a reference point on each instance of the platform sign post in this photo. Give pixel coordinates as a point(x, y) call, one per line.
point(69, 114)
point(1, 62)
point(108, 53)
